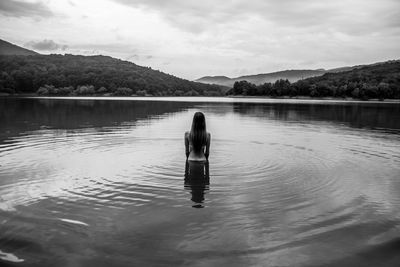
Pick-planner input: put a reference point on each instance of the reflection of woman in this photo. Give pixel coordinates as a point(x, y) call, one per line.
point(197, 141)
point(197, 180)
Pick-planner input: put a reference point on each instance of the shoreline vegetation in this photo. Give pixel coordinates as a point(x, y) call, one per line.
point(376, 81)
point(93, 76)
point(133, 96)
point(226, 97)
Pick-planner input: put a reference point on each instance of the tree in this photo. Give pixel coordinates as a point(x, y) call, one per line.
point(123, 91)
point(141, 92)
point(85, 90)
point(238, 87)
point(102, 90)
point(264, 89)
point(356, 92)
point(281, 87)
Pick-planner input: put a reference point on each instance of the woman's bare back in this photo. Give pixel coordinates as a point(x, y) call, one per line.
point(192, 154)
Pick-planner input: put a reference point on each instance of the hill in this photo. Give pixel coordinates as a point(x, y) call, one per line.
point(220, 80)
point(88, 75)
point(258, 79)
point(291, 75)
point(379, 80)
point(7, 48)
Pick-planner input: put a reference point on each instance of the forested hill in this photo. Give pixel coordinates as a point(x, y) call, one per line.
point(380, 80)
point(87, 75)
point(7, 48)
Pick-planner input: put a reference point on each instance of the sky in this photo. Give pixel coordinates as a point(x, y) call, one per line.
point(192, 38)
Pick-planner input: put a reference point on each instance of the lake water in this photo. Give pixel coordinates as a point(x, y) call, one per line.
point(289, 183)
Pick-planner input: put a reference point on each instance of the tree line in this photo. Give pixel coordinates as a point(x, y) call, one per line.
point(378, 81)
point(92, 75)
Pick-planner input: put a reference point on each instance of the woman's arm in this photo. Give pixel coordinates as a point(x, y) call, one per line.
point(187, 144)
point(207, 152)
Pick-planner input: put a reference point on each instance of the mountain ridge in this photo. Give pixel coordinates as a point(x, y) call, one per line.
point(293, 75)
point(9, 49)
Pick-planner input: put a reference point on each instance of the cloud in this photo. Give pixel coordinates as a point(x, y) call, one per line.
point(133, 57)
point(46, 45)
point(270, 35)
point(139, 58)
point(229, 38)
point(14, 8)
point(345, 15)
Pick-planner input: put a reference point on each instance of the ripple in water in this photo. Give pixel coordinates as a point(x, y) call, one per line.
point(288, 185)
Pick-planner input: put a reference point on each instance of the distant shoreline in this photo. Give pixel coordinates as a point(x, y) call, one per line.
point(215, 99)
point(320, 98)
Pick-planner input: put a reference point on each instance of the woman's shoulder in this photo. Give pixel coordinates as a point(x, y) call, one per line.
point(208, 135)
point(187, 134)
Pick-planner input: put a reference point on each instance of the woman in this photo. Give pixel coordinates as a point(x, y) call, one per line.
point(197, 141)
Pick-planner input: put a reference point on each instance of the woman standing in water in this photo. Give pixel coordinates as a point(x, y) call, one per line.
point(197, 148)
point(197, 141)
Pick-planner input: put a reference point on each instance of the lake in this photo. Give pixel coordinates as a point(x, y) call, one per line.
point(104, 182)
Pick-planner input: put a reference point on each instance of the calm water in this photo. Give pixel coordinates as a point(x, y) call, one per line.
point(105, 183)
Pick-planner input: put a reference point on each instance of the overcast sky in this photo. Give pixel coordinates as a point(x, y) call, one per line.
point(192, 38)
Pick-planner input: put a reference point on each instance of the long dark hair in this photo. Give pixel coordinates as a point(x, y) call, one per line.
point(198, 133)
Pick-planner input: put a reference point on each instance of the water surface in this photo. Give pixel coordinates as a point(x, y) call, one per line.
point(289, 183)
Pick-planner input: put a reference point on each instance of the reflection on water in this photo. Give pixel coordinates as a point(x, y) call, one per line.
point(197, 180)
point(358, 115)
point(100, 183)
